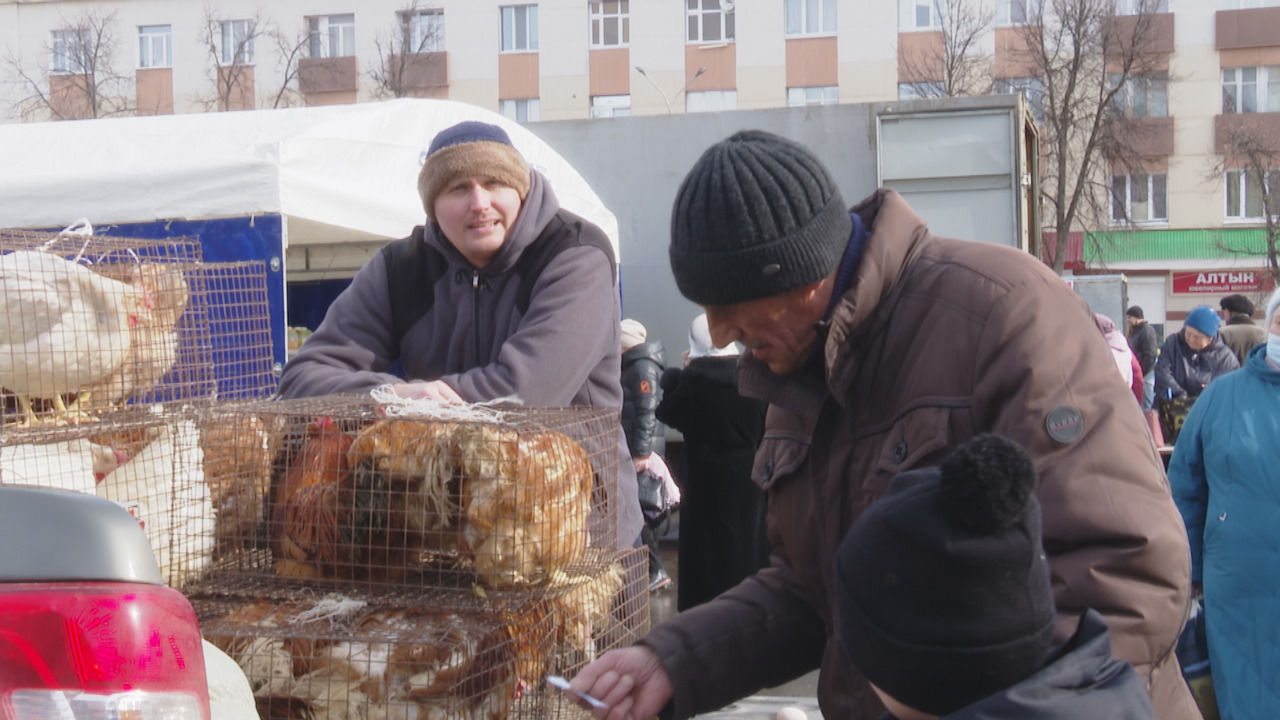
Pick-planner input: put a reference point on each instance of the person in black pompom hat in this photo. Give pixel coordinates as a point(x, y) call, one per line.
point(944, 601)
point(879, 348)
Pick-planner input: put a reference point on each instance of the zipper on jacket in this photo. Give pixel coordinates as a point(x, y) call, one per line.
point(475, 312)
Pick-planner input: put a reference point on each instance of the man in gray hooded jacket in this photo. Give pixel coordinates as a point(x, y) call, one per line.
point(513, 296)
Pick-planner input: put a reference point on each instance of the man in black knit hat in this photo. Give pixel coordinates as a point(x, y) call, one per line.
point(943, 600)
point(880, 349)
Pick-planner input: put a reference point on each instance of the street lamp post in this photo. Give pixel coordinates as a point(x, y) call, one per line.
point(676, 94)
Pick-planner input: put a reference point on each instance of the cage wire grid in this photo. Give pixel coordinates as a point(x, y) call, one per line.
point(445, 532)
point(444, 654)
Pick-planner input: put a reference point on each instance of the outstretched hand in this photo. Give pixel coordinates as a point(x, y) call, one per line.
point(631, 681)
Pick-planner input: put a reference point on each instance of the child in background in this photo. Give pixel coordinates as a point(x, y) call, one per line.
point(944, 602)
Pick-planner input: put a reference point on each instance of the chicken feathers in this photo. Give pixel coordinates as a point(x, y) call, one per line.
point(62, 326)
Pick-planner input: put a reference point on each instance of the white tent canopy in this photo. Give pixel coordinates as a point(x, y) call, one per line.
point(336, 174)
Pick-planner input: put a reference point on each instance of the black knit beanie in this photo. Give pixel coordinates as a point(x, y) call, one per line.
point(756, 216)
point(942, 585)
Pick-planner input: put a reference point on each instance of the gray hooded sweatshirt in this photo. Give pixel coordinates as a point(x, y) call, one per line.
point(563, 350)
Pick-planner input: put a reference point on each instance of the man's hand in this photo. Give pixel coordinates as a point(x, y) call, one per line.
point(630, 681)
point(430, 390)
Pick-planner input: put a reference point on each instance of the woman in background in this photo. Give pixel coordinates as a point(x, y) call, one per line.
point(722, 512)
point(1225, 476)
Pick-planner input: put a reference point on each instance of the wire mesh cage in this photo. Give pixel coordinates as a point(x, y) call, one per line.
point(147, 459)
point(498, 498)
point(389, 654)
point(92, 323)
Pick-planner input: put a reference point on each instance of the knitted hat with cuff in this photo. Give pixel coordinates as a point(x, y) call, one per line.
point(757, 215)
point(1134, 311)
point(942, 584)
point(1204, 319)
point(471, 148)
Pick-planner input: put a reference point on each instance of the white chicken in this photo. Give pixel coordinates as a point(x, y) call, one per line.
point(153, 338)
point(62, 327)
point(163, 485)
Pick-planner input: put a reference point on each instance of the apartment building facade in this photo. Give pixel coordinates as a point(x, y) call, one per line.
point(1186, 222)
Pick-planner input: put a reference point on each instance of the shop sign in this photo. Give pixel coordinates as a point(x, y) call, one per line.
point(1221, 281)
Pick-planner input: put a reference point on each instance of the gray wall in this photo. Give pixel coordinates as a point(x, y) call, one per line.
point(635, 165)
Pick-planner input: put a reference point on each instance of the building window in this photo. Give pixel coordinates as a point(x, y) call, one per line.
point(816, 95)
point(1142, 95)
point(1016, 12)
point(520, 110)
point(237, 42)
point(1139, 198)
point(155, 46)
point(69, 52)
point(711, 101)
point(1251, 89)
point(519, 28)
point(603, 106)
point(709, 21)
point(810, 17)
point(1032, 88)
point(919, 15)
point(610, 23)
point(1141, 7)
point(423, 31)
point(1244, 194)
point(332, 36)
point(917, 90)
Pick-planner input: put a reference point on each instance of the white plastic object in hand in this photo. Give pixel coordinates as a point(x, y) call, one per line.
point(559, 682)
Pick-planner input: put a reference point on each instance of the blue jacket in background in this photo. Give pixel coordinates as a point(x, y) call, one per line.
point(1225, 475)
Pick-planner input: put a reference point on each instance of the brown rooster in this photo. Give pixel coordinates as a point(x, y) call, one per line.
point(305, 515)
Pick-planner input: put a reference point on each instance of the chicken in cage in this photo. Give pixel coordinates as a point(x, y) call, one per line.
point(428, 655)
point(87, 323)
point(401, 499)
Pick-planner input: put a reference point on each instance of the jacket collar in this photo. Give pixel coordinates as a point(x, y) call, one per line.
point(897, 235)
point(1080, 679)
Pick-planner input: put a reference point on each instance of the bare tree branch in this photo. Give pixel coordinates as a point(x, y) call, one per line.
point(954, 66)
point(403, 55)
point(1085, 55)
point(76, 77)
point(230, 44)
point(1254, 149)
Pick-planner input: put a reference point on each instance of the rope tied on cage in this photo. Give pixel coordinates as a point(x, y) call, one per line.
point(333, 608)
point(392, 404)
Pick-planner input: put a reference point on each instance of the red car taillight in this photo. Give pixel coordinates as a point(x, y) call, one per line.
point(109, 651)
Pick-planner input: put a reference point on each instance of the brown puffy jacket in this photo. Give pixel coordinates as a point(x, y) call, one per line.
point(937, 340)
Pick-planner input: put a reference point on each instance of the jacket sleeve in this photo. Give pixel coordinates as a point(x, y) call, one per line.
point(1169, 354)
point(758, 634)
point(1114, 538)
point(1146, 348)
point(644, 393)
point(352, 350)
point(571, 324)
point(1187, 474)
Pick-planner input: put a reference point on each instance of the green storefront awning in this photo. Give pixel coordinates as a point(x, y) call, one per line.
point(1211, 244)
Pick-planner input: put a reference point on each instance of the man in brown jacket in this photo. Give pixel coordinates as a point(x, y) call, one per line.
point(881, 348)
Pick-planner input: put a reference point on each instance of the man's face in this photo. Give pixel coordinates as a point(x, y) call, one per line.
point(1196, 340)
point(475, 213)
point(777, 330)
point(1132, 321)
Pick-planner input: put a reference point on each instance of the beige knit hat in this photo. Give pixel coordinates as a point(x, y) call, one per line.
point(471, 148)
point(633, 333)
